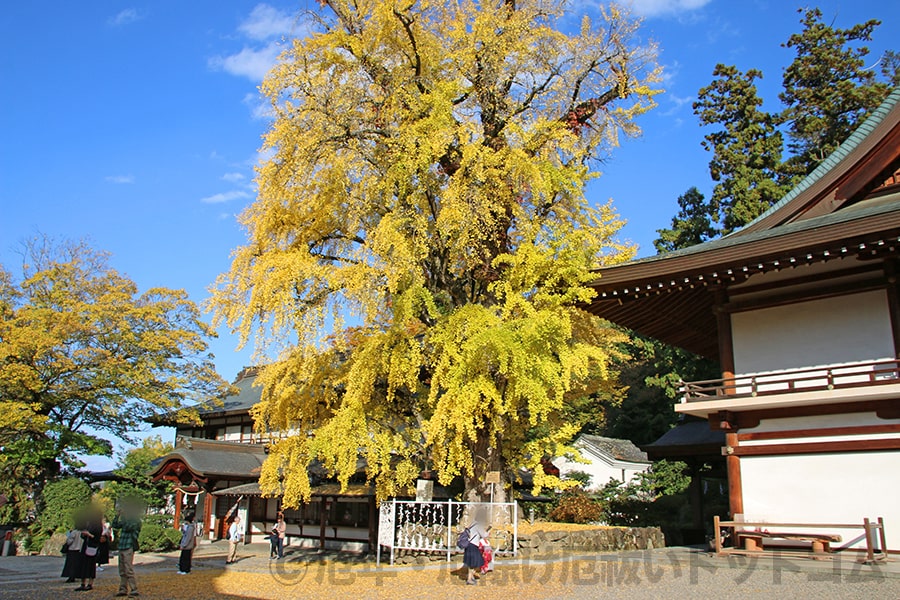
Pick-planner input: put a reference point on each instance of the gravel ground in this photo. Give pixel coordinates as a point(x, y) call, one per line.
point(663, 575)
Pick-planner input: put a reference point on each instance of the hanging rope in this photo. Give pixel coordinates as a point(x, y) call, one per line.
point(233, 508)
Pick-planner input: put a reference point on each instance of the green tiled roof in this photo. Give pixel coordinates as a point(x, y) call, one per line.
point(844, 150)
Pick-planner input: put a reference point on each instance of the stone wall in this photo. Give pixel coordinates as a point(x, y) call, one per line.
point(552, 542)
point(602, 539)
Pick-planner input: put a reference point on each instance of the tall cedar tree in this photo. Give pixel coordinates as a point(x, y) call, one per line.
point(84, 358)
point(746, 149)
point(828, 89)
point(691, 226)
point(423, 199)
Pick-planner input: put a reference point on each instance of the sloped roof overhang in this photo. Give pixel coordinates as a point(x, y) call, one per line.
point(204, 460)
point(670, 297)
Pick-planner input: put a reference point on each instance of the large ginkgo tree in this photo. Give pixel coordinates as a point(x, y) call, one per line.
point(420, 246)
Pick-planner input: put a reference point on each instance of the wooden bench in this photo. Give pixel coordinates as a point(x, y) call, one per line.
point(757, 540)
point(752, 538)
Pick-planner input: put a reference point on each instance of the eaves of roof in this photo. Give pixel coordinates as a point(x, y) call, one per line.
point(875, 220)
point(207, 459)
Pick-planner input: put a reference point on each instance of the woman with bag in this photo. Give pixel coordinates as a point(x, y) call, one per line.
point(72, 566)
point(91, 537)
point(278, 533)
point(472, 556)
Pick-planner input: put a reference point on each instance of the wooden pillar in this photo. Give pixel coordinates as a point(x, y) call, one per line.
point(696, 495)
point(179, 498)
point(322, 520)
point(209, 524)
point(733, 464)
point(726, 362)
point(726, 343)
point(373, 524)
point(893, 298)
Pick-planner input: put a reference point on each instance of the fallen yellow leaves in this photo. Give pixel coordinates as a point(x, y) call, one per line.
point(331, 580)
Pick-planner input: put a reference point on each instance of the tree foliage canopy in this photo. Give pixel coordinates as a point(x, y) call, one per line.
point(828, 88)
point(693, 224)
point(84, 358)
point(423, 198)
point(746, 149)
point(132, 470)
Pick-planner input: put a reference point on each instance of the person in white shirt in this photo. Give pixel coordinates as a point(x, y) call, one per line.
point(235, 536)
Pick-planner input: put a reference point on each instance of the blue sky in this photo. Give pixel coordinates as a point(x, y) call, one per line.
point(136, 124)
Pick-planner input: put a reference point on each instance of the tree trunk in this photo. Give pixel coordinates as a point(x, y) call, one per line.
point(487, 459)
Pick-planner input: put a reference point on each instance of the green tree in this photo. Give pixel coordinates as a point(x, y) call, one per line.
point(692, 225)
point(652, 374)
point(133, 470)
point(425, 176)
point(890, 68)
point(828, 89)
point(60, 502)
point(654, 498)
point(746, 149)
point(85, 357)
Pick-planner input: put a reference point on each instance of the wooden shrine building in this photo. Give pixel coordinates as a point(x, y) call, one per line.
point(802, 310)
point(215, 469)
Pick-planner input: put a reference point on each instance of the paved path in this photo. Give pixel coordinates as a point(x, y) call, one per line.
point(665, 574)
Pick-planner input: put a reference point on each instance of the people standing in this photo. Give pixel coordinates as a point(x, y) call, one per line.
point(235, 536)
point(74, 541)
point(106, 537)
point(187, 544)
point(278, 533)
point(93, 529)
point(128, 525)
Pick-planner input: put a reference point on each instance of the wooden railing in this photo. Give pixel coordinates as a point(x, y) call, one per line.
point(811, 379)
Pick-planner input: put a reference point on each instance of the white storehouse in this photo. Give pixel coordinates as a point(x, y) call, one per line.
point(607, 458)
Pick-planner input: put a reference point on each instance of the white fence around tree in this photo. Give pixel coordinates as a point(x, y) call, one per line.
point(418, 526)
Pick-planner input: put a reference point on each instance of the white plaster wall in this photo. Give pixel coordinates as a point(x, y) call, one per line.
point(600, 470)
point(825, 488)
point(849, 328)
point(857, 419)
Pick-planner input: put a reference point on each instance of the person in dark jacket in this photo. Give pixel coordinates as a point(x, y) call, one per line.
point(188, 543)
point(106, 538)
point(91, 533)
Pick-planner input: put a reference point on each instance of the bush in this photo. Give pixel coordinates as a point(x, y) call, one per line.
point(60, 500)
point(156, 537)
point(656, 498)
point(575, 506)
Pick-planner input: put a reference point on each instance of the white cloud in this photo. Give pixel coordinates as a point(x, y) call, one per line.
point(252, 63)
point(121, 179)
point(658, 8)
point(266, 22)
point(225, 197)
point(676, 103)
point(264, 30)
point(126, 17)
point(260, 108)
point(233, 177)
